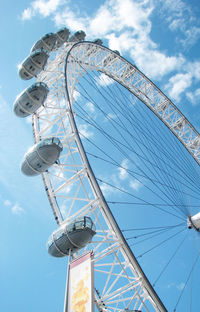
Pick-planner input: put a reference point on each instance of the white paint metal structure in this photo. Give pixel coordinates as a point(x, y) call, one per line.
point(70, 184)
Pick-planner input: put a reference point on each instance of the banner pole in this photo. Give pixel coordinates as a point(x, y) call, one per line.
point(67, 285)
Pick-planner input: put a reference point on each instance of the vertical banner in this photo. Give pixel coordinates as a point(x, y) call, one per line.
point(80, 297)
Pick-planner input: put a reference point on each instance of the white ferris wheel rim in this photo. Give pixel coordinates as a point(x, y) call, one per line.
point(173, 119)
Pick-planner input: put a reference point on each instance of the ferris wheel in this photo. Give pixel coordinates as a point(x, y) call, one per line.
point(82, 85)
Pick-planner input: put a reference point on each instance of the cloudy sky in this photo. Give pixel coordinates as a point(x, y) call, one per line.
point(161, 37)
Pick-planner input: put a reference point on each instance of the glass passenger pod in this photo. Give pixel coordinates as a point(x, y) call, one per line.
point(30, 99)
point(62, 36)
point(116, 51)
point(47, 42)
point(71, 237)
point(98, 41)
point(41, 156)
point(33, 64)
point(78, 36)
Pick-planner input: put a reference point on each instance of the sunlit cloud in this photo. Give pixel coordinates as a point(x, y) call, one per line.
point(178, 84)
point(71, 19)
point(76, 95)
point(41, 7)
point(84, 131)
point(127, 27)
point(110, 116)
point(27, 14)
point(177, 286)
point(123, 174)
point(17, 209)
point(194, 97)
point(7, 203)
point(180, 17)
point(180, 286)
point(103, 80)
point(135, 185)
point(107, 189)
point(90, 107)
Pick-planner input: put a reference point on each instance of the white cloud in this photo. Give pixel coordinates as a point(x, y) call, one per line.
point(84, 131)
point(127, 26)
point(153, 63)
point(191, 36)
point(177, 286)
point(181, 18)
point(76, 95)
point(7, 203)
point(17, 210)
point(90, 107)
point(178, 84)
point(41, 7)
point(194, 97)
point(194, 69)
point(145, 53)
point(27, 14)
point(123, 174)
point(110, 116)
point(180, 286)
point(71, 19)
point(104, 80)
point(135, 185)
point(106, 189)
point(105, 15)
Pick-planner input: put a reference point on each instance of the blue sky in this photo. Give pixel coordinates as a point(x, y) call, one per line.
point(161, 37)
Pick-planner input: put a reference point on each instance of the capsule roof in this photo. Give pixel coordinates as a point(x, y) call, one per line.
point(29, 100)
point(98, 41)
point(47, 42)
point(78, 36)
point(62, 36)
point(116, 51)
point(33, 64)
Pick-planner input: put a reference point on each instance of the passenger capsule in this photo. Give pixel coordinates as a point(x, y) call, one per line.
point(71, 237)
point(41, 156)
point(98, 41)
point(30, 99)
point(62, 36)
point(47, 43)
point(78, 36)
point(116, 51)
point(33, 64)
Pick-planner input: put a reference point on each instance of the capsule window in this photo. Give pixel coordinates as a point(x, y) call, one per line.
point(49, 242)
point(79, 225)
point(70, 227)
point(58, 234)
point(88, 222)
point(36, 98)
point(32, 68)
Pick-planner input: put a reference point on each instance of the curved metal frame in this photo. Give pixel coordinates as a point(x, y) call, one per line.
point(105, 209)
point(93, 56)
